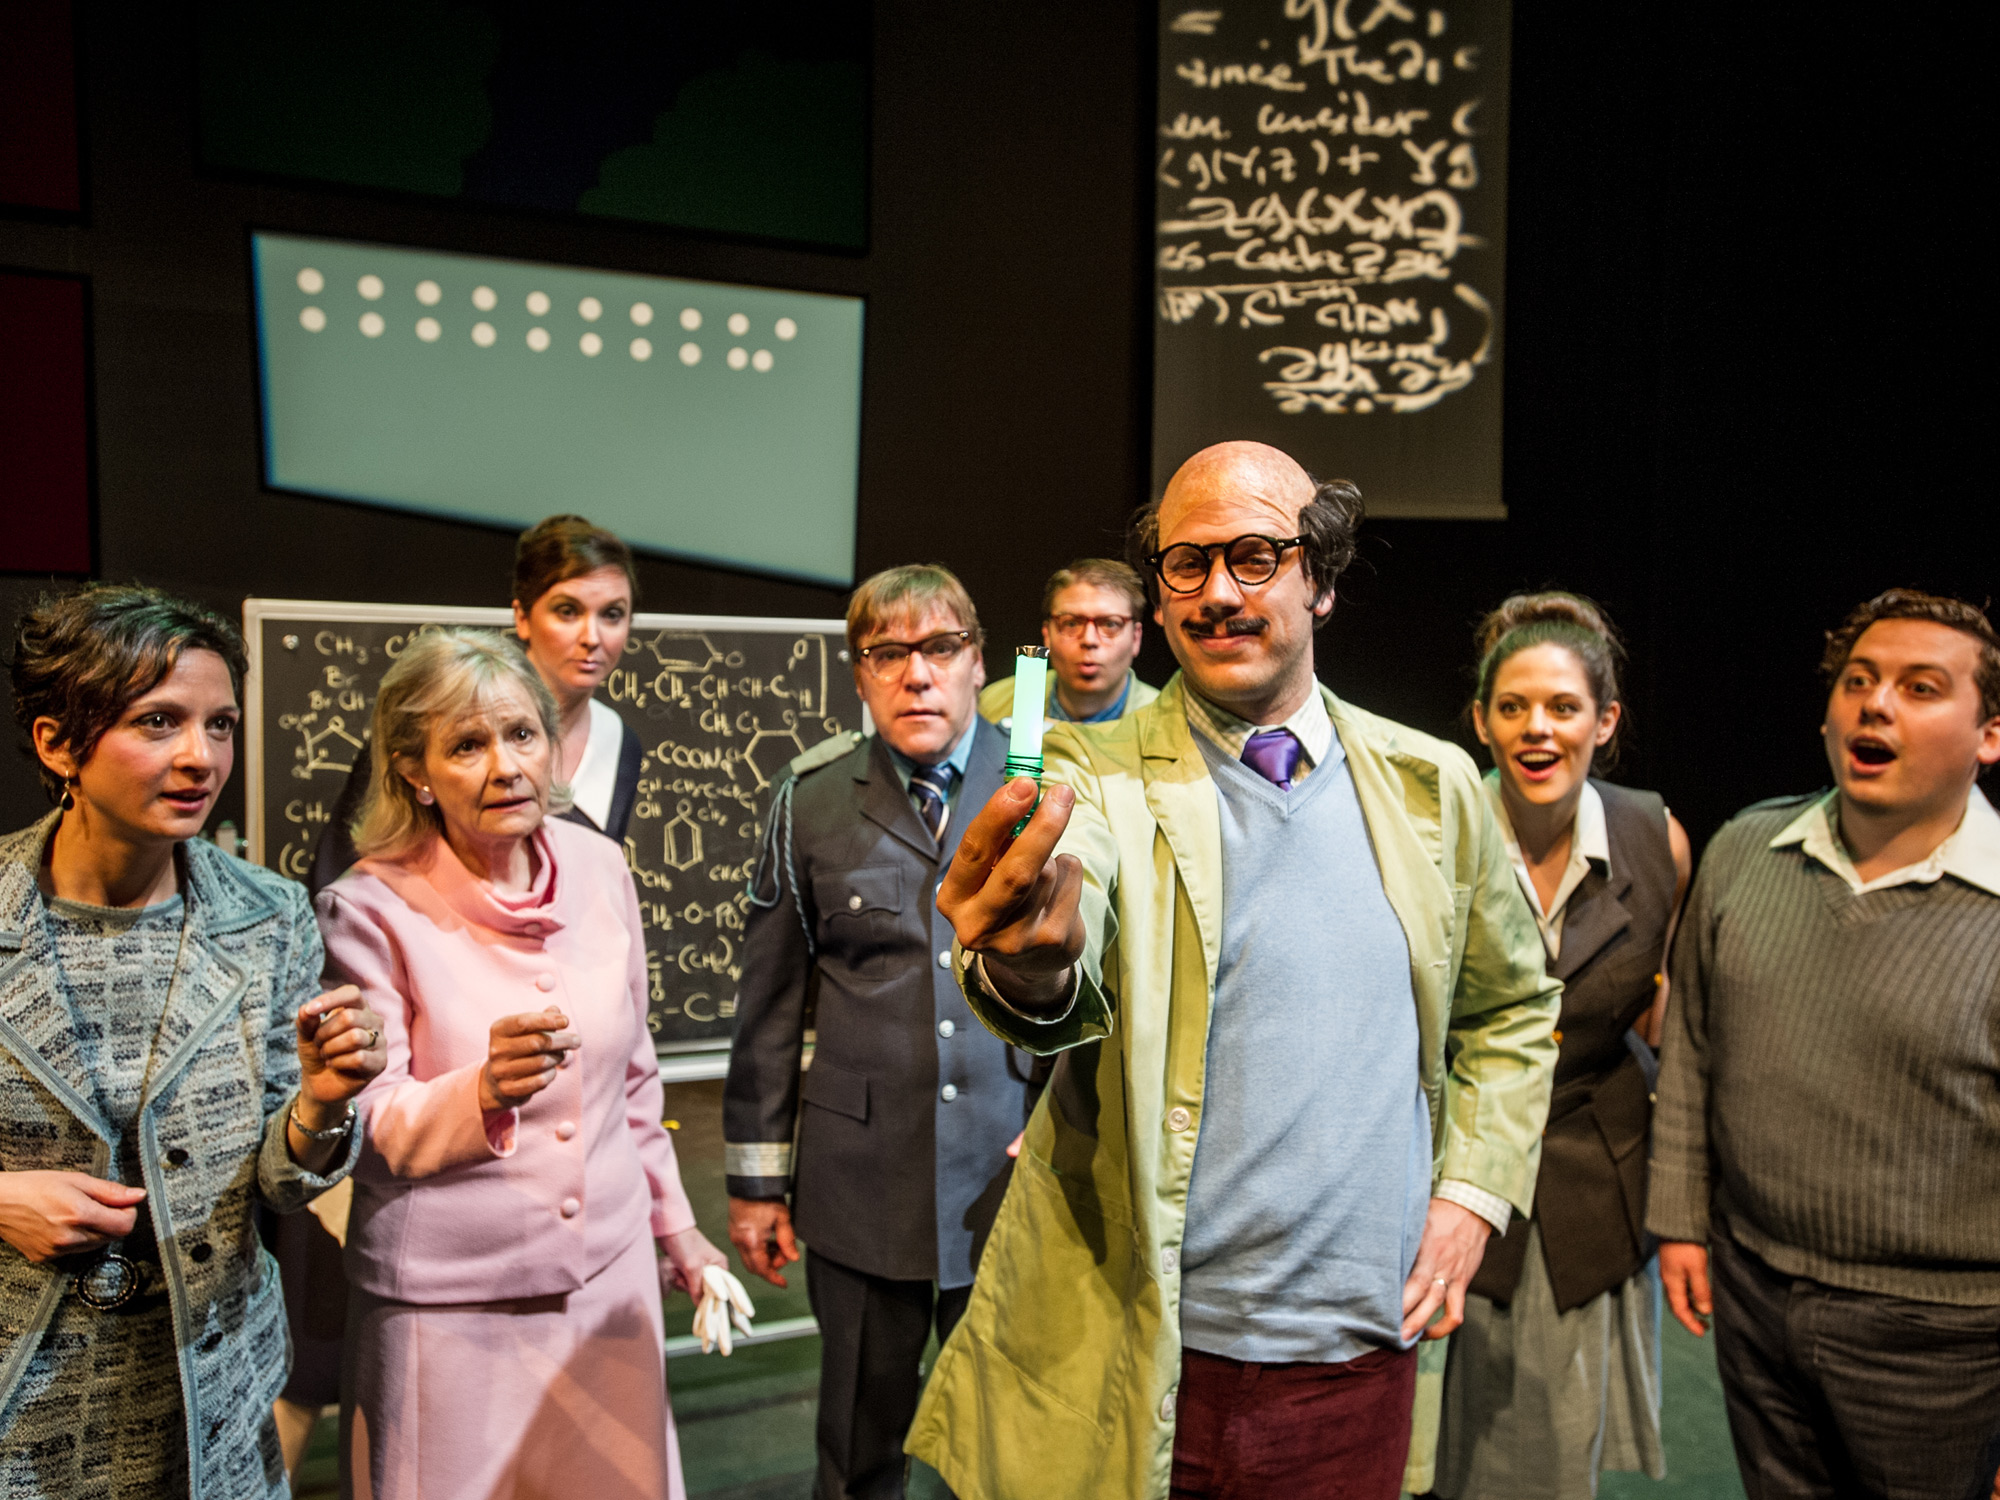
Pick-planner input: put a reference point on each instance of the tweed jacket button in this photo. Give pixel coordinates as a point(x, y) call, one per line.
point(948, 1093)
point(545, 982)
point(946, 1028)
point(571, 1208)
point(177, 1156)
point(1178, 1118)
point(201, 1253)
point(566, 1131)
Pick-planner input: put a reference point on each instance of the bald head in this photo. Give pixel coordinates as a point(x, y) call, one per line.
point(1260, 483)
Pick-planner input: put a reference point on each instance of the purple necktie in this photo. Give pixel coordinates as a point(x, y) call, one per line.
point(1274, 755)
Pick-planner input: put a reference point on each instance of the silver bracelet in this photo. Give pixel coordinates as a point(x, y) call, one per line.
point(332, 1133)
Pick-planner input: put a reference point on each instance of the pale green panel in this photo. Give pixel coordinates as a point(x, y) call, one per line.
point(753, 465)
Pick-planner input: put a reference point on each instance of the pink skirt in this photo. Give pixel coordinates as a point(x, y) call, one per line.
point(522, 1400)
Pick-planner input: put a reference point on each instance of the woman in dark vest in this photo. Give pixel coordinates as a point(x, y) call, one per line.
point(1556, 1373)
point(574, 585)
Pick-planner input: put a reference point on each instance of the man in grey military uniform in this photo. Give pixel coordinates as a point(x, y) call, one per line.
point(903, 1120)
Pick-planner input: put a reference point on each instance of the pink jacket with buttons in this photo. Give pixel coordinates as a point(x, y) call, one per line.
point(452, 1204)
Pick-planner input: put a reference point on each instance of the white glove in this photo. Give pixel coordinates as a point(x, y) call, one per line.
point(723, 1301)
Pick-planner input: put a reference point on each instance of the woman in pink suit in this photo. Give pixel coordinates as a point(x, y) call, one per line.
point(504, 1333)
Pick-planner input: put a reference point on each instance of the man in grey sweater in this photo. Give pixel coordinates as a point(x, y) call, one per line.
point(1826, 1151)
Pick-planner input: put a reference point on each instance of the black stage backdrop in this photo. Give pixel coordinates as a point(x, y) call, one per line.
point(1745, 312)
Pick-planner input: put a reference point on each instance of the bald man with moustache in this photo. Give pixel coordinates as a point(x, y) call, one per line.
point(1304, 1045)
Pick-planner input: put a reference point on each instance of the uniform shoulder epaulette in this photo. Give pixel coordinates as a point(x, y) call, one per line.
point(826, 752)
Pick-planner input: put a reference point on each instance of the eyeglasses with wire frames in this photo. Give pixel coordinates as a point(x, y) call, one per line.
point(1072, 627)
point(886, 660)
point(1252, 560)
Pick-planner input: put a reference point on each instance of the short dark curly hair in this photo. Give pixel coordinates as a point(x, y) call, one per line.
point(1330, 523)
point(1914, 604)
point(82, 657)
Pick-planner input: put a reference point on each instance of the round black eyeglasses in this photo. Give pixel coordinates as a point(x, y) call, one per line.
point(1251, 560)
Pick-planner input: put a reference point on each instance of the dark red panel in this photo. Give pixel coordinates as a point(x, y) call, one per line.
point(38, 129)
point(44, 426)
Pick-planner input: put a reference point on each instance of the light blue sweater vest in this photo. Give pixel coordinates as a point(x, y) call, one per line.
point(1312, 1171)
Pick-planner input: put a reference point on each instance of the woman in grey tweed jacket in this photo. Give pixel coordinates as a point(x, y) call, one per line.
point(165, 1058)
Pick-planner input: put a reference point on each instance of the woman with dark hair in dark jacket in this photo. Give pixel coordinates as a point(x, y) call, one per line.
point(1555, 1374)
point(166, 1060)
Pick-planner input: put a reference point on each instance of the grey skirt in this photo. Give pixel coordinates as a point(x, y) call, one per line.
point(1538, 1403)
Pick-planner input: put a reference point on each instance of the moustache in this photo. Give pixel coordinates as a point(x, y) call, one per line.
point(1228, 625)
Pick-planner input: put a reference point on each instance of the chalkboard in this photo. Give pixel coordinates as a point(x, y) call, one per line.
point(1331, 190)
point(720, 704)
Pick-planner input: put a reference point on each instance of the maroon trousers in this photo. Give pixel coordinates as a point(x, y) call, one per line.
point(1334, 1432)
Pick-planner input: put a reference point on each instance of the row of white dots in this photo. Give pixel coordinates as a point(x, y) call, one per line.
point(373, 326)
point(590, 309)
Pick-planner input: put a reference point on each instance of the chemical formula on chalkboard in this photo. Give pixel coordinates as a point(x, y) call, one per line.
point(1330, 182)
point(719, 706)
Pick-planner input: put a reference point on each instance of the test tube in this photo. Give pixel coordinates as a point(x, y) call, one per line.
point(1024, 746)
point(1031, 685)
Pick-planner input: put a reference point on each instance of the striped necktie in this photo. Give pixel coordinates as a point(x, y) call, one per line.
point(930, 786)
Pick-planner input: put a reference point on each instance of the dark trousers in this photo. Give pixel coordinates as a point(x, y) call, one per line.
point(872, 1334)
point(1835, 1394)
point(1334, 1432)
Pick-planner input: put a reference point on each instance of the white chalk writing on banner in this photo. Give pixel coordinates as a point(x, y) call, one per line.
point(1317, 174)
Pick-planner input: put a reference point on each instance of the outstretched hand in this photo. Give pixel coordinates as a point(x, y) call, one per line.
point(1008, 901)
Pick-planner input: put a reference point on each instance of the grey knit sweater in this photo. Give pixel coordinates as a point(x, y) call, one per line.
point(1830, 1080)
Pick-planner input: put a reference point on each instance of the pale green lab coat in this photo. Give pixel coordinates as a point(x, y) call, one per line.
point(1059, 1383)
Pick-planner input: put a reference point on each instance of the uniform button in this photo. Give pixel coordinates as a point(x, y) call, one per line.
point(571, 1208)
point(944, 959)
point(177, 1156)
point(1170, 1260)
point(1167, 1407)
point(945, 1028)
point(545, 982)
point(854, 903)
point(200, 1254)
point(566, 1130)
point(948, 1093)
point(1178, 1118)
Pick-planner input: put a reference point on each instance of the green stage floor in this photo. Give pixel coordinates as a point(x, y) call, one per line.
point(746, 1428)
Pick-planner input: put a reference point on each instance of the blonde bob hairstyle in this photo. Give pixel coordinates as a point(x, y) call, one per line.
point(442, 674)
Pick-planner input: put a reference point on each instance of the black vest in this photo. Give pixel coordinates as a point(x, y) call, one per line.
point(1590, 1198)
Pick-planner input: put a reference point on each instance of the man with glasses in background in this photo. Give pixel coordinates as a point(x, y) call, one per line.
point(903, 1120)
point(1304, 1042)
point(1090, 623)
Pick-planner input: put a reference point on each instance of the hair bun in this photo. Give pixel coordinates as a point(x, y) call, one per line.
point(1550, 607)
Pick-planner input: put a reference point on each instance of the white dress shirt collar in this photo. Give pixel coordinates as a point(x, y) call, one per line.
point(1971, 853)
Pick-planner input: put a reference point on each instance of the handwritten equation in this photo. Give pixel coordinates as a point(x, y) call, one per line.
point(718, 712)
point(1321, 189)
point(719, 716)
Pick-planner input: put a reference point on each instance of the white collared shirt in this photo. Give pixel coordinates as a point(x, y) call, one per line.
point(1589, 843)
point(1971, 853)
point(1310, 724)
point(596, 780)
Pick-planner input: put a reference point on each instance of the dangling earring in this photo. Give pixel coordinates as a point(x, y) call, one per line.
point(424, 796)
point(68, 803)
